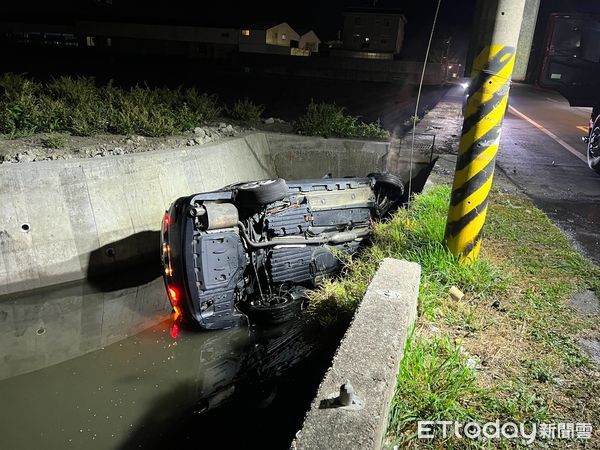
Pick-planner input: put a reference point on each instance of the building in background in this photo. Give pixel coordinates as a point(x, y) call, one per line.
point(372, 33)
point(278, 38)
point(309, 41)
point(163, 39)
point(272, 38)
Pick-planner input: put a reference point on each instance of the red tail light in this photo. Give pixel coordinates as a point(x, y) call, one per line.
point(166, 222)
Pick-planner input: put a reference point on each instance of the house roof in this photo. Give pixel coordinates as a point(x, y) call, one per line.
point(305, 31)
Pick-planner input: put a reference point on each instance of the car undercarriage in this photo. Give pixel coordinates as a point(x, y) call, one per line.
point(250, 250)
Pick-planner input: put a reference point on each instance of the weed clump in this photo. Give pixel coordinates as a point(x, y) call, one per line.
point(55, 140)
point(79, 107)
point(330, 120)
point(416, 235)
point(246, 111)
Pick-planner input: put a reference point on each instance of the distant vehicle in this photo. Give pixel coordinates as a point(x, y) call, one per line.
point(252, 249)
point(571, 66)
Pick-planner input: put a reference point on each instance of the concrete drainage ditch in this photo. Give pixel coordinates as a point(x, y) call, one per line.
point(81, 219)
point(74, 219)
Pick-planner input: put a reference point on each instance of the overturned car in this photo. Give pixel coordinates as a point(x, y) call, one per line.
point(250, 250)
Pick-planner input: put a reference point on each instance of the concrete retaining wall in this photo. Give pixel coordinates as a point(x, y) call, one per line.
point(77, 210)
point(66, 220)
point(308, 157)
point(377, 335)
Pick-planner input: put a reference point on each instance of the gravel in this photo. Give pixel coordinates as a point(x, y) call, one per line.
point(30, 149)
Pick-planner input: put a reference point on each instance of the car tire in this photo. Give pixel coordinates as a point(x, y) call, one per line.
point(274, 313)
point(390, 179)
point(593, 149)
point(389, 190)
point(260, 193)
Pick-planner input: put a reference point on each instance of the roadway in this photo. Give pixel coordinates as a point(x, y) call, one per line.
point(542, 153)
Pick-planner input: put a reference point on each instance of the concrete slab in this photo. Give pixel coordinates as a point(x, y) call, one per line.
point(78, 210)
point(586, 302)
point(378, 335)
point(591, 347)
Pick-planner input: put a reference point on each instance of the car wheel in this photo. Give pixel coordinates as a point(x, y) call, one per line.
point(277, 309)
point(259, 193)
point(389, 190)
point(593, 150)
point(389, 179)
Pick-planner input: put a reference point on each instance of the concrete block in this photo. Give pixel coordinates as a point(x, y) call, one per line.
point(378, 335)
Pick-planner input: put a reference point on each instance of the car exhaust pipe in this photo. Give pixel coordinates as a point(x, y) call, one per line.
point(337, 238)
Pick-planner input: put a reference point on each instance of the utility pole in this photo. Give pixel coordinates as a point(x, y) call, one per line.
point(497, 27)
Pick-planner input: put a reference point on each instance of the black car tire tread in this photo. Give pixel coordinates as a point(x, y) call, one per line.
point(256, 194)
point(388, 178)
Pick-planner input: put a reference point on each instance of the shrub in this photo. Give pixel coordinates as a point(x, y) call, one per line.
point(246, 110)
point(55, 140)
point(198, 108)
point(141, 111)
point(74, 106)
point(328, 119)
point(20, 111)
point(79, 107)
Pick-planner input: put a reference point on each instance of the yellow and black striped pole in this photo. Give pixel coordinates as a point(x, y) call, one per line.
point(486, 105)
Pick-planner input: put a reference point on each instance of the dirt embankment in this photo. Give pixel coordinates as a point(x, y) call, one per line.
point(40, 147)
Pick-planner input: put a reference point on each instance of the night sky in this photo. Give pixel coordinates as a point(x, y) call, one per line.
point(325, 17)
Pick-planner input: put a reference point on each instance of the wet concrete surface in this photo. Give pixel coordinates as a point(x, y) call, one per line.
point(530, 161)
point(558, 182)
point(83, 368)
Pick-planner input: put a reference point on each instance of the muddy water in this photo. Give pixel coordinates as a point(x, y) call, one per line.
point(88, 368)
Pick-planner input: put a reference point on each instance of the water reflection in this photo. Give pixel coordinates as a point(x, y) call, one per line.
point(81, 383)
point(47, 326)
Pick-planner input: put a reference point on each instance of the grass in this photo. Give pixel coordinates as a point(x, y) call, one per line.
point(80, 107)
point(432, 367)
point(508, 349)
point(246, 111)
point(330, 120)
point(55, 140)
